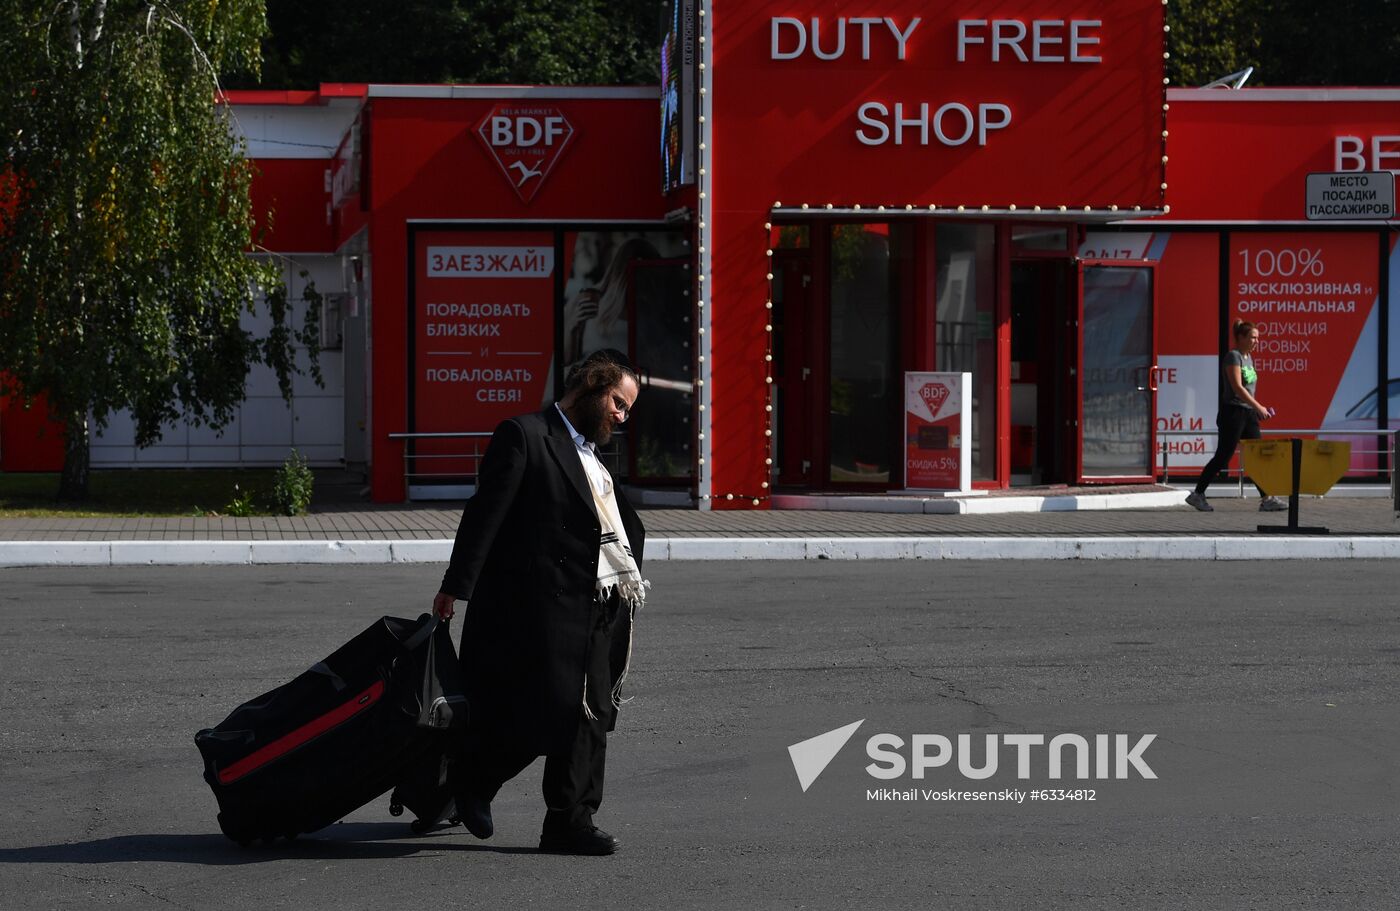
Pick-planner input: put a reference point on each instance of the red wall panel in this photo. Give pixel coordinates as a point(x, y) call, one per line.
point(427, 162)
point(1245, 155)
point(293, 190)
point(29, 439)
point(790, 131)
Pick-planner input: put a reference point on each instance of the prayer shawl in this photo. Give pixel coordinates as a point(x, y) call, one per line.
point(617, 575)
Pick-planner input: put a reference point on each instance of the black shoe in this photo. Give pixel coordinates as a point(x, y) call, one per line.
point(475, 814)
point(590, 841)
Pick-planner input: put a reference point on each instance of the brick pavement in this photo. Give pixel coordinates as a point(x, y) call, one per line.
point(1343, 516)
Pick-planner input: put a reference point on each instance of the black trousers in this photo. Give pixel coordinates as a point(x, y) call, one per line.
point(573, 776)
point(1235, 424)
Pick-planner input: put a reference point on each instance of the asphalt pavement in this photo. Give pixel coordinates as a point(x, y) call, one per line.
point(1268, 689)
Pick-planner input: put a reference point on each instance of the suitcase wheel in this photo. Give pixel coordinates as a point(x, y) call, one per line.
point(395, 808)
point(420, 826)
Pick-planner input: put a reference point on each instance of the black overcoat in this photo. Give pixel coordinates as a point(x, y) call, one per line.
point(526, 561)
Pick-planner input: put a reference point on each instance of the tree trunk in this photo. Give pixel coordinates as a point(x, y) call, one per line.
point(73, 485)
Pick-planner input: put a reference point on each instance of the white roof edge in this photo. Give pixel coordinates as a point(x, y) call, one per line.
point(506, 219)
point(332, 102)
point(1374, 224)
point(1071, 214)
point(1351, 94)
point(513, 91)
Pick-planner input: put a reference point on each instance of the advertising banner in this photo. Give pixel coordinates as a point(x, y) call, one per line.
point(938, 431)
point(678, 109)
point(1313, 297)
point(482, 336)
point(1388, 398)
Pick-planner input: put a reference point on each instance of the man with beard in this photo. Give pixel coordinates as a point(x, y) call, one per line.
point(547, 558)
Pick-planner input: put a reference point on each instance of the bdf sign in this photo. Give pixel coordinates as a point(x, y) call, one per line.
point(526, 141)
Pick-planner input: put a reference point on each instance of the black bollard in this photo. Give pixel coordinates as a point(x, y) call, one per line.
point(1293, 528)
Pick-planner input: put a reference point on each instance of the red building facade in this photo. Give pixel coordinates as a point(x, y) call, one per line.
point(1017, 198)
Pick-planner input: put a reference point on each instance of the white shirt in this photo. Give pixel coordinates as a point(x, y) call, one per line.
point(593, 467)
point(588, 457)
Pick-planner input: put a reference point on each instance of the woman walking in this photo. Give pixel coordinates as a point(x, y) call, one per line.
point(1239, 416)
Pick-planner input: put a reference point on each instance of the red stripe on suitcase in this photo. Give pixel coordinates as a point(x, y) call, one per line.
point(288, 742)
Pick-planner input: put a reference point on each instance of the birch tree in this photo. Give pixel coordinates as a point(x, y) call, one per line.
point(125, 219)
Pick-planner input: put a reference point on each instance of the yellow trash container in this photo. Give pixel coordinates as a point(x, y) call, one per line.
point(1269, 463)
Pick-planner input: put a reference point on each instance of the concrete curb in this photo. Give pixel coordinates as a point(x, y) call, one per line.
point(983, 505)
point(205, 553)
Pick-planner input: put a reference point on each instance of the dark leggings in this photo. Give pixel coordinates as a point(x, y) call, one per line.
point(1235, 424)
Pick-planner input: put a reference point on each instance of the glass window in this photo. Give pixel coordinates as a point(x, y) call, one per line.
point(660, 430)
point(1039, 239)
point(865, 386)
point(965, 334)
point(790, 237)
point(628, 289)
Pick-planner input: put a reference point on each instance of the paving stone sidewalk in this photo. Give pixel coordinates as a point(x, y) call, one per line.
point(1372, 516)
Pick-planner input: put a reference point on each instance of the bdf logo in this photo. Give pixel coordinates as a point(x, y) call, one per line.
point(526, 142)
point(934, 395)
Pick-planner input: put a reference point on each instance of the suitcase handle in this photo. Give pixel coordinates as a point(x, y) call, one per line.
point(422, 635)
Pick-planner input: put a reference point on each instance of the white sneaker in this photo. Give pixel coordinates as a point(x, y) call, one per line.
point(1273, 504)
point(1198, 500)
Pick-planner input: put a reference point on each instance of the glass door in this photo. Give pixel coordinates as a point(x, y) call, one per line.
point(796, 369)
point(658, 303)
point(865, 391)
point(1117, 371)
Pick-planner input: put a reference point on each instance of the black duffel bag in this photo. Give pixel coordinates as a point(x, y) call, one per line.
point(308, 753)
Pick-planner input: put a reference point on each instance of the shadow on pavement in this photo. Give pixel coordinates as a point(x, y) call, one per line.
point(344, 841)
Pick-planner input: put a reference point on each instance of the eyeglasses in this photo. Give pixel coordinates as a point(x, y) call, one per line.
point(620, 406)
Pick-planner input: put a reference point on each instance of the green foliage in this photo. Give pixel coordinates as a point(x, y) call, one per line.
point(1337, 42)
point(850, 246)
point(291, 489)
point(655, 462)
point(1290, 42)
point(125, 217)
point(1210, 39)
point(556, 42)
point(241, 506)
point(133, 492)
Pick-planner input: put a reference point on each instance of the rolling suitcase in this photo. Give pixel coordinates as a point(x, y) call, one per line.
point(304, 755)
